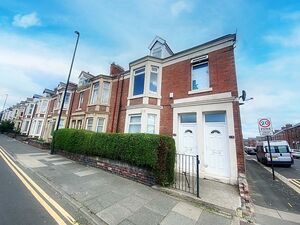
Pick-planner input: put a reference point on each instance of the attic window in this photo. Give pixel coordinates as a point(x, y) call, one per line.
point(157, 52)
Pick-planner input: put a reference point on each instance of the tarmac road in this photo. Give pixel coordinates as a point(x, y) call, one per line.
point(17, 204)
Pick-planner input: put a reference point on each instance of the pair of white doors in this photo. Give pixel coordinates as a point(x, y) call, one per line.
point(215, 141)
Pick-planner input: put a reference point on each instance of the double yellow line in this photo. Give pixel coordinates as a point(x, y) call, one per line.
point(295, 182)
point(41, 196)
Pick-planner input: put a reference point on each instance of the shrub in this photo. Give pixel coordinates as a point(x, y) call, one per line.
point(151, 151)
point(6, 126)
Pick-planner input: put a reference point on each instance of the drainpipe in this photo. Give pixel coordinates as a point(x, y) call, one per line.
point(119, 107)
point(115, 105)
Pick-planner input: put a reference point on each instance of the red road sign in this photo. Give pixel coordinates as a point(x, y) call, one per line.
point(265, 127)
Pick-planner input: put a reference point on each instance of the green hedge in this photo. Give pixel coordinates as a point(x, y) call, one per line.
point(151, 151)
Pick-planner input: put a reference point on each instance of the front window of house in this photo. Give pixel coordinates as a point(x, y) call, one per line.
point(43, 107)
point(39, 127)
point(61, 124)
point(135, 123)
point(30, 109)
point(80, 100)
point(153, 79)
point(105, 92)
point(67, 100)
point(200, 76)
point(100, 125)
point(89, 123)
point(95, 93)
point(151, 123)
point(138, 83)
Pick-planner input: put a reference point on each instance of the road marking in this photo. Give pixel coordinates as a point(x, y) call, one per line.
point(52, 213)
point(42, 192)
point(295, 182)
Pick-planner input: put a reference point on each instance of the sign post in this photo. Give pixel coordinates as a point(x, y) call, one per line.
point(265, 129)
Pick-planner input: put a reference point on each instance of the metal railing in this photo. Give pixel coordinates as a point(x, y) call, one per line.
point(187, 173)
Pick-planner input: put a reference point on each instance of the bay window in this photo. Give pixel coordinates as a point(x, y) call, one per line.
point(105, 92)
point(100, 125)
point(151, 120)
point(153, 79)
point(135, 123)
point(138, 81)
point(95, 93)
point(89, 123)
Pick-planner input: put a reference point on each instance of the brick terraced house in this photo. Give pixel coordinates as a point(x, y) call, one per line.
point(191, 95)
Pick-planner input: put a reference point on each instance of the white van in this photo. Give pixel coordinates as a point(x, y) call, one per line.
point(281, 153)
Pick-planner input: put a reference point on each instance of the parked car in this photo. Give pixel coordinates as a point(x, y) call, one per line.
point(250, 150)
point(281, 153)
point(296, 153)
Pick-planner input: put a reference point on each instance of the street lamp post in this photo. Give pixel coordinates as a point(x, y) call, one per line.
point(65, 91)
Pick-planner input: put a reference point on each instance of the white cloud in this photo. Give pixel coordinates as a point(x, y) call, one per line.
point(27, 20)
point(179, 7)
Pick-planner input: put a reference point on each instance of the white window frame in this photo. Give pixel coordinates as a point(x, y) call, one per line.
point(105, 93)
point(94, 95)
point(87, 125)
point(151, 125)
point(61, 124)
point(137, 74)
point(98, 125)
point(80, 100)
point(154, 70)
point(196, 62)
point(39, 129)
point(67, 103)
point(135, 123)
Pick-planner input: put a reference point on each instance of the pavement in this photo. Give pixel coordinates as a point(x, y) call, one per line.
point(275, 202)
point(105, 198)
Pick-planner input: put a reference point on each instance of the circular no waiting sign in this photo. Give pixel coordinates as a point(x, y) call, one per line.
point(264, 123)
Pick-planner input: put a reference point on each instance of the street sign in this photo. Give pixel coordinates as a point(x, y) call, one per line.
point(265, 127)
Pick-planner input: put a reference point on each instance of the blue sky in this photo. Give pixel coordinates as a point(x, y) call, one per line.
point(37, 41)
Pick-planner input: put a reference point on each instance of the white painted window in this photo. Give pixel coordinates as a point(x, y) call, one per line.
point(200, 76)
point(95, 93)
point(151, 123)
point(157, 52)
point(26, 126)
point(61, 124)
point(89, 124)
point(43, 106)
point(105, 92)
point(80, 100)
point(39, 127)
point(67, 100)
point(153, 79)
point(100, 124)
point(135, 123)
point(30, 109)
point(138, 81)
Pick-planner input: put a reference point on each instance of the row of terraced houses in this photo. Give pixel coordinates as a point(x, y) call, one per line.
point(191, 95)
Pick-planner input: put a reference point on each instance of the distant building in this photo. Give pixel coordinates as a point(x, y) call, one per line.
point(290, 133)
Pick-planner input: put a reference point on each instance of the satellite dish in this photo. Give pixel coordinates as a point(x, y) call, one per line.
point(243, 96)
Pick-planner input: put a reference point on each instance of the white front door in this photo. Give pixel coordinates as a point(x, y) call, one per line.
point(216, 145)
point(187, 139)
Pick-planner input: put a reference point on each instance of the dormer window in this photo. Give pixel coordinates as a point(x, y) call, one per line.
point(156, 52)
point(138, 82)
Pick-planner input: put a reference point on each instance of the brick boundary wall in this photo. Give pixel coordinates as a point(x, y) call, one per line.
point(116, 167)
point(246, 203)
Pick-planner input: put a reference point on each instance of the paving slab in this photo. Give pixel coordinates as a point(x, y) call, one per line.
point(188, 210)
point(212, 218)
point(176, 218)
point(114, 214)
point(162, 204)
point(145, 216)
